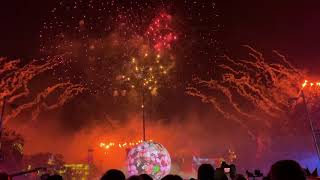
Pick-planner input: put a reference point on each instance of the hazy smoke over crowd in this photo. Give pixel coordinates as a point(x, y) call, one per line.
point(41, 116)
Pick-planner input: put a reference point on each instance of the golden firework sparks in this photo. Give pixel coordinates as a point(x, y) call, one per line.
point(306, 83)
point(145, 72)
point(107, 147)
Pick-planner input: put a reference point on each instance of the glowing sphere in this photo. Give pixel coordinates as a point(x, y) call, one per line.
point(149, 158)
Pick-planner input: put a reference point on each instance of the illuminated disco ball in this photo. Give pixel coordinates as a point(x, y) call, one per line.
point(149, 158)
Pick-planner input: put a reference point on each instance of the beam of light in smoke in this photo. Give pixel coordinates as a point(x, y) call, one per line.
point(16, 80)
point(250, 90)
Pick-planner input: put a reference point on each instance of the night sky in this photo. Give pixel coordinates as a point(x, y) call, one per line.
point(289, 26)
point(206, 30)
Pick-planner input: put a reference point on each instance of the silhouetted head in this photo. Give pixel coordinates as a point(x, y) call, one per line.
point(307, 172)
point(113, 174)
point(134, 178)
point(177, 177)
point(239, 177)
point(206, 172)
point(55, 177)
point(4, 176)
point(145, 177)
point(286, 170)
point(172, 177)
point(315, 173)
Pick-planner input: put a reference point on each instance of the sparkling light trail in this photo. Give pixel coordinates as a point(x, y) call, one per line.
point(16, 85)
point(254, 92)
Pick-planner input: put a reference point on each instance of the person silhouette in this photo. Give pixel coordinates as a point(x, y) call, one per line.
point(205, 172)
point(113, 174)
point(286, 170)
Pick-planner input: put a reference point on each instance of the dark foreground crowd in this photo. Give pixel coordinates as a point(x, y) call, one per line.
point(281, 170)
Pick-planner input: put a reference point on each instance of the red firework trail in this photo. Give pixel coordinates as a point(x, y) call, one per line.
point(15, 85)
point(263, 86)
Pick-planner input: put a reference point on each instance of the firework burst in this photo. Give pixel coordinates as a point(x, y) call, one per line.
point(152, 60)
point(103, 36)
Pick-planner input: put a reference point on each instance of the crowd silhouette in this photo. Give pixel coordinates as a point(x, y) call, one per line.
point(281, 170)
